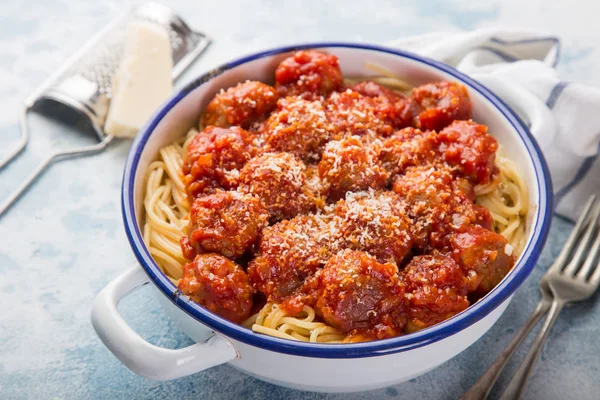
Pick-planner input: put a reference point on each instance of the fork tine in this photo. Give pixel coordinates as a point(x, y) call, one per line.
point(583, 244)
point(595, 278)
point(570, 243)
point(591, 257)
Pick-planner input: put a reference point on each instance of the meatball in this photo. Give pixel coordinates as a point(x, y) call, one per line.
point(485, 257)
point(435, 204)
point(407, 147)
point(470, 148)
point(288, 253)
point(392, 107)
point(375, 90)
point(352, 113)
point(279, 181)
point(298, 126)
point(214, 158)
point(224, 222)
point(309, 73)
point(483, 217)
point(350, 164)
point(359, 295)
point(218, 284)
point(439, 104)
point(436, 289)
point(240, 105)
point(315, 187)
point(374, 222)
point(465, 186)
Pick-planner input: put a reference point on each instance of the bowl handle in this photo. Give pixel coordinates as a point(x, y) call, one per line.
point(137, 354)
point(531, 109)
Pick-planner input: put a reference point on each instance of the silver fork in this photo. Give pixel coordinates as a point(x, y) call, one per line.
point(569, 279)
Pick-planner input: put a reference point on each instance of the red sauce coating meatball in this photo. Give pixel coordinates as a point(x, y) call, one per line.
point(224, 222)
point(465, 186)
point(279, 181)
point(240, 105)
point(483, 217)
point(315, 186)
point(392, 107)
point(218, 284)
point(407, 147)
point(298, 126)
point(350, 164)
point(311, 142)
point(352, 113)
point(440, 103)
point(288, 253)
point(485, 257)
point(215, 157)
point(359, 295)
point(435, 204)
point(374, 222)
point(436, 289)
point(309, 73)
point(470, 148)
point(375, 90)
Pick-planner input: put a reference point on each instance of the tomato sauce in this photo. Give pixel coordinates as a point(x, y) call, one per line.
point(355, 200)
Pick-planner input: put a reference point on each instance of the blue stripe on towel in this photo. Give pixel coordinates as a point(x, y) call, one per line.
point(555, 93)
point(582, 172)
point(525, 41)
point(552, 39)
point(504, 56)
point(585, 166)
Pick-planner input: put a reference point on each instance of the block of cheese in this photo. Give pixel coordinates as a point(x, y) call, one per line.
point(142, 80)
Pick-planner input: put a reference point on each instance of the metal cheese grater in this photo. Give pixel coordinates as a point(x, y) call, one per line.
point(84, 82)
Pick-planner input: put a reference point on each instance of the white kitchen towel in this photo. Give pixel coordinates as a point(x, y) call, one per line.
point(526, 60)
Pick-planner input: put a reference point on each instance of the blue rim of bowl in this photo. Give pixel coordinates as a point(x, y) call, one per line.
point(352, 350)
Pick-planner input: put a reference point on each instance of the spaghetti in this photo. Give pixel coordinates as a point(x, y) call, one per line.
point(167, 211)
point(507, 200)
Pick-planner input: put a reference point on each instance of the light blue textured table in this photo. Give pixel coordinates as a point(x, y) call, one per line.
point(64, 241)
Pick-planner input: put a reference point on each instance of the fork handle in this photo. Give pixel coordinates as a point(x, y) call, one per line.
point(481, 389)
point(517, 384)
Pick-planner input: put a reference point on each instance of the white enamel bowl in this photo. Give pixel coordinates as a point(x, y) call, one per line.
point(317, 367)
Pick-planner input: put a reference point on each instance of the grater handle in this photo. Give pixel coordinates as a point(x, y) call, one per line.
point(24, 139)
point(78, 151)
